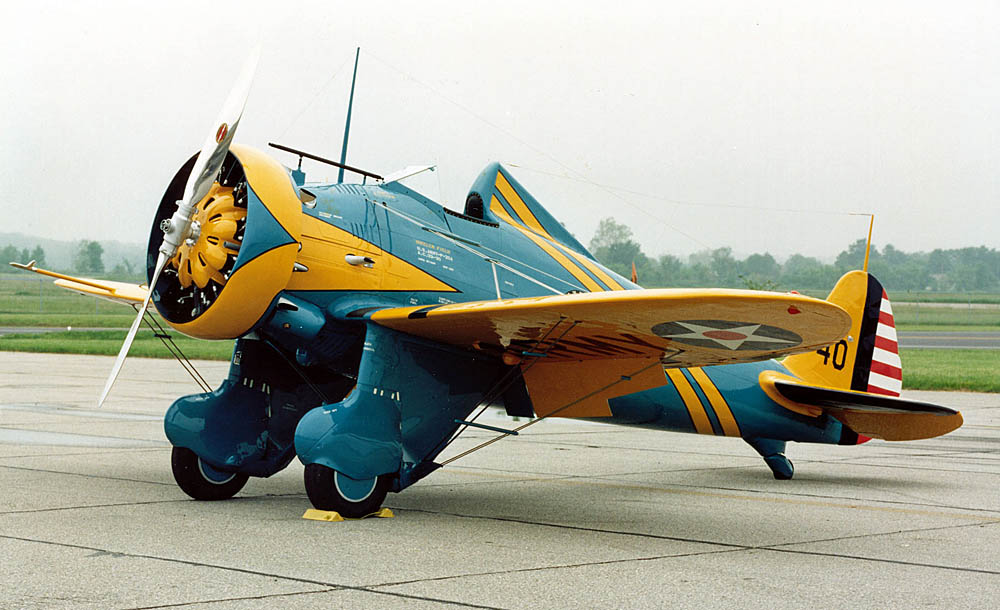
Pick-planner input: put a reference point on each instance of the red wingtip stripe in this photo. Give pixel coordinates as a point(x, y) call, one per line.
point(863, 439)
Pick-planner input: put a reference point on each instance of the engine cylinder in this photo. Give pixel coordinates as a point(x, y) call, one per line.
point(241, 254)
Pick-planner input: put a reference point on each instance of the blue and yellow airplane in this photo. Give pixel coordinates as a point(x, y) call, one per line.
point(372, 326)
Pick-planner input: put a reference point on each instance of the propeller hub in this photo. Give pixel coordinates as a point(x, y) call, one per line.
point(194, 234)
point(212, 244)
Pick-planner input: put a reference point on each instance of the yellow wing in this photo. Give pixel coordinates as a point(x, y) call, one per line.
point(681, 328)
point(118, 292)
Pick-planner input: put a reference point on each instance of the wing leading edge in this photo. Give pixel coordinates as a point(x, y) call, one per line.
point(586, 348)
point(680, 327)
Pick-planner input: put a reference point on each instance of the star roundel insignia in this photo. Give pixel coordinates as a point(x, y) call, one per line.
point(728, 335)
point(221, 133)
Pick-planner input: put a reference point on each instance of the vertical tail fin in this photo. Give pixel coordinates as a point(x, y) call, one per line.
point(867, 360)
point(858, 379)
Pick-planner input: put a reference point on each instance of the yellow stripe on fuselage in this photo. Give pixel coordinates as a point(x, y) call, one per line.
point(589, 264)
point(719, 405)
point(518, 205)
point(497, 208)
point(702, 425)
point(529, 220)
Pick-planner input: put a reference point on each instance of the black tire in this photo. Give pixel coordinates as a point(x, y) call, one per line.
point(201, 481)
point(324, 491)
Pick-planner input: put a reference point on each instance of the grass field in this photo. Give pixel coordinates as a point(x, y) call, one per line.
point(974, 370)
point(923, 369)
point(26, 301)
point(108, 342)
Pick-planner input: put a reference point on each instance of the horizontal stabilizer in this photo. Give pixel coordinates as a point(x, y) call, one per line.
point(886, 417)
point(828, 398)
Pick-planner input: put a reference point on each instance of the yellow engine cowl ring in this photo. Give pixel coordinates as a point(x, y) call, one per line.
point(224, 278)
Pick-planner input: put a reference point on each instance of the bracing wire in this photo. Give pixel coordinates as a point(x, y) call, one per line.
point(694, 204)
point(535, 149)
point(160, 333)
point(313, 99)
point(508, 379)
point(552, 413)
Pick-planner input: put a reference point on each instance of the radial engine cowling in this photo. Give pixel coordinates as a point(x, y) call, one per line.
point(240, 254)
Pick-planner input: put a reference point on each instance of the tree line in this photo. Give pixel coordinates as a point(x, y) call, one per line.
point(955, 270)
point(88, 257)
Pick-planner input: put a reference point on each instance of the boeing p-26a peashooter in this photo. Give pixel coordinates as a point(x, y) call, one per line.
point(371, 324)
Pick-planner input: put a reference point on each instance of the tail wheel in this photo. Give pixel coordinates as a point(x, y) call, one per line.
point(329, 489)
point(201, 481)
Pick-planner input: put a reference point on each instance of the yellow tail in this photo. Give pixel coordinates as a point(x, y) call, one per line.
point(867, 360)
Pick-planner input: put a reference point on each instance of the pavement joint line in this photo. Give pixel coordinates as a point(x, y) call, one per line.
point(604, 481)
point(89, 506)
point(846, 504)
point(148, 502)
point(199, 564)
point(95, 452)
point(732, 547)
point(581, 528)
point(86, 476)
point(774, 547)
point(909, 503)
point(566, 566)
point(880, 560)
point(235, 599)
point(162, 444)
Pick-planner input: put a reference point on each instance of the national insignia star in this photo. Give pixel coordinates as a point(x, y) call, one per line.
point(697, 331)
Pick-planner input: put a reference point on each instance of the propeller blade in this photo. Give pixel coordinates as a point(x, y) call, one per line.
point(209, 161)
point(203, 174)
point(213, 152)
point(161, 262)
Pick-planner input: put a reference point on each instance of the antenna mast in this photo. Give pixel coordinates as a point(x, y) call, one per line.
point(347, 127)
point(868, 248)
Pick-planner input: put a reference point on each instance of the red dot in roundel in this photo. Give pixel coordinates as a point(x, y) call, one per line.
point(724, 335)
point(220, 135)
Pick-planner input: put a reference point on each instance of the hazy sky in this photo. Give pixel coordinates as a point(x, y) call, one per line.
point(755, 125)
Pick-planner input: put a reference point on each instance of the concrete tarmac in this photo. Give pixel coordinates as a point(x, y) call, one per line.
point(568, 515)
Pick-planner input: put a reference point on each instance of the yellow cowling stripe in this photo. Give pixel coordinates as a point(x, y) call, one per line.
point(697, 411)
point(528, 219)
point(497, 208)
point(719, 405)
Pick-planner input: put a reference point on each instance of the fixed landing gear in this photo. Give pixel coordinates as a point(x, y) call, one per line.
point(202, 482)
point(329, 489)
